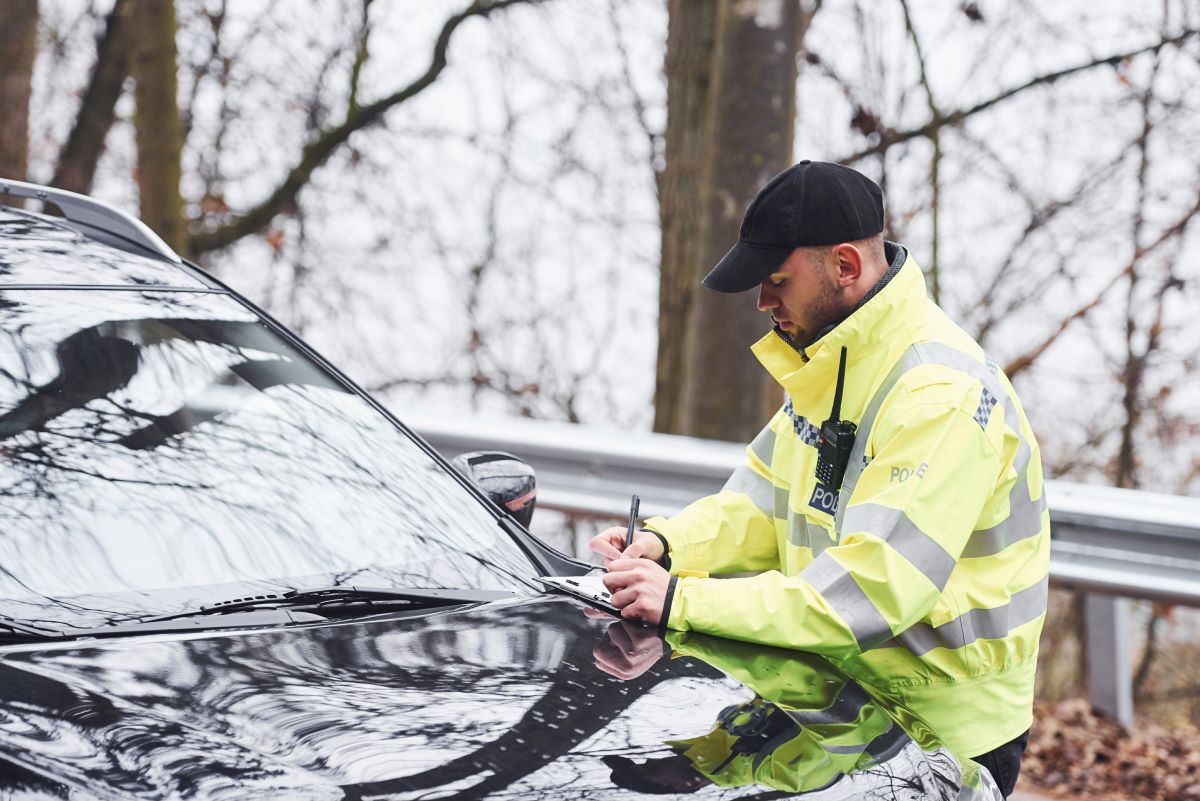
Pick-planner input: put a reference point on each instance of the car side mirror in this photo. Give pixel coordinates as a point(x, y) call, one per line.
point(508, 481)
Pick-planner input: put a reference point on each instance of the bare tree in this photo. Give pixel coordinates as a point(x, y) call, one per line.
point(215, 234)
point(731, 74)
point(76, 165)
point(157, 123)
point(18, 43)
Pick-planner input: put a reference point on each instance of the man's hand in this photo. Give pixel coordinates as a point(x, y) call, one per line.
point(638, 587)
point(610, 544)
point(627, 650)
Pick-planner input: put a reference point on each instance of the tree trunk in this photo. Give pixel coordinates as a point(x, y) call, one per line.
point(77, 161)
point(159, 129)
point(18, 43)
point(731, 83)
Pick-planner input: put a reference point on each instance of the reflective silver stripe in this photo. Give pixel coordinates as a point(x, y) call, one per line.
point(760, 490)
point(896, 529)
point(781, 502)
point(845, 708)
point(764, 445)
point(938, 354)
point(841, 591)
point(845, 749)
point(1024, 521)
point(807, 534)
point(1024, 607)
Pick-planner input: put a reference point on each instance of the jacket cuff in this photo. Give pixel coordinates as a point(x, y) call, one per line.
point(666, 557)
point(666, 612)
point(661, 528)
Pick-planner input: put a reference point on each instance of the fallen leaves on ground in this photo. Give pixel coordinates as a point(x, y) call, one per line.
point(1076, 752)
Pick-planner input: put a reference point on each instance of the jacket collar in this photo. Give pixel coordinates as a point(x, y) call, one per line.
point(883, 321)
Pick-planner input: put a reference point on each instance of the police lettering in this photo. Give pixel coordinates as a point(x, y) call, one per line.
point(902, 474)
point(824, 499)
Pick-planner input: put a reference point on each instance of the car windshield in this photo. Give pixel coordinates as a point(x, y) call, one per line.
point(164, 449)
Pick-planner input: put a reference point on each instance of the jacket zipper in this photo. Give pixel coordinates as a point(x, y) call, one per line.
point(790, 342)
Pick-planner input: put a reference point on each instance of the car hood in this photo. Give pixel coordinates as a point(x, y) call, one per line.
point(504, 700)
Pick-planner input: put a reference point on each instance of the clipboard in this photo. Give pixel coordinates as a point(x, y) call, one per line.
point(588, 587)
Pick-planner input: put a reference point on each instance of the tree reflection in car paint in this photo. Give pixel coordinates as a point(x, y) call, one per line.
point(503, 701)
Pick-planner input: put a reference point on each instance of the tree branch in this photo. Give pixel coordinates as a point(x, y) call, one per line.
point(1040, 216)
point(935, 161)
point(361, 54)
point(77, 161)
point(317, 152)
point(1022, 362)
point(890, 137)
point(653, 138)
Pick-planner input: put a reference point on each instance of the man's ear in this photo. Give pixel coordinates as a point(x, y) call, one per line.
point(849, 264)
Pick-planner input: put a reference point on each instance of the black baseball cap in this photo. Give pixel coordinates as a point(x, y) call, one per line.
point(809, 204)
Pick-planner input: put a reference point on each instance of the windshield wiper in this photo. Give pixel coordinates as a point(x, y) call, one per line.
point(329, 599)
point(315, 605)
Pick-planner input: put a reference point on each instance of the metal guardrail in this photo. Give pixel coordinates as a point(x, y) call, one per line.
point(1114, 544)
point(1120, 542)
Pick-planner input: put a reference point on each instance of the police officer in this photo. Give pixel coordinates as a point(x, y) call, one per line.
point(905, 531)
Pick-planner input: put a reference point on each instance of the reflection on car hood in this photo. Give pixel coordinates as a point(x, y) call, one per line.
point(499, 701)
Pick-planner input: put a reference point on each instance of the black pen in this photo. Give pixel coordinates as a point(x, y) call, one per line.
point(633, 513)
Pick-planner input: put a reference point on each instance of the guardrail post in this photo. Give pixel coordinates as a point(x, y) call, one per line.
point(1110, 669)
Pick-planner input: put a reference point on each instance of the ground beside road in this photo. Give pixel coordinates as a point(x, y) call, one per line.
point(1076, 753)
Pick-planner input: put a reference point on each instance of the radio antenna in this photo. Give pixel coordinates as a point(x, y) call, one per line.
point(837, 390)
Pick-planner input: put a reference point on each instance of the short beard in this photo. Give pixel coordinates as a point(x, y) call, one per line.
point(828, 308)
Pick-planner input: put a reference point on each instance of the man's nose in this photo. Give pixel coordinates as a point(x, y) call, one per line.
point(766, 297)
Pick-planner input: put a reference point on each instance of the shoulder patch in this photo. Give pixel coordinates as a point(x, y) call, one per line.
point(987, 402)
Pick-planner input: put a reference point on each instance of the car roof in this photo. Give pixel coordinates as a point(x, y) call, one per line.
point(41, 251)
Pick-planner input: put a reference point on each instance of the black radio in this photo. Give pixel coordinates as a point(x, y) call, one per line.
point(837, 438)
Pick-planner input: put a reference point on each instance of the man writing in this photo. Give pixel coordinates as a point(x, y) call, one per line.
point(925, 569)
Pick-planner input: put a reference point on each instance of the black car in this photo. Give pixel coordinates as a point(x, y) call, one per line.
point(227, 572)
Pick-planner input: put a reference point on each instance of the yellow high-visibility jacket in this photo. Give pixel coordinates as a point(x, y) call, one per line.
point(809, 724)
point(927, 574)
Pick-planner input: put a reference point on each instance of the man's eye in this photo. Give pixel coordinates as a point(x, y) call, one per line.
point(779, 282)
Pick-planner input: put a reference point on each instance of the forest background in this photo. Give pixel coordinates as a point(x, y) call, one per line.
point(503, 207)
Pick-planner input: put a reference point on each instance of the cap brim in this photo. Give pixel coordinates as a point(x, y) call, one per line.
point(744, 267)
